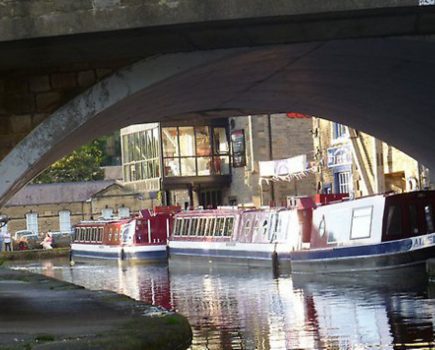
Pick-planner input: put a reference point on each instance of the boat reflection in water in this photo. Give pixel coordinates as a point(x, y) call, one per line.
point(249, 309)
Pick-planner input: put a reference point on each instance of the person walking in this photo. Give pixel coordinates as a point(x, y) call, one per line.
point(7, 240)
point(1, 240)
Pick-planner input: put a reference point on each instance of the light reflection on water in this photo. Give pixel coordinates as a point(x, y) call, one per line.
point(240, 308)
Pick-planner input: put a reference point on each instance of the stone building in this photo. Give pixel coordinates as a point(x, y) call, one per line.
point(350, 161)
point(59, 206)
point(214, 162)
point(271, 137)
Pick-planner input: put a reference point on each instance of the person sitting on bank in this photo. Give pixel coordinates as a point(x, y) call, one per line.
point(47, 242)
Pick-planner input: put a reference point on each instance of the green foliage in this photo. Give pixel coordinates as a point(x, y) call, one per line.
point(81, 165)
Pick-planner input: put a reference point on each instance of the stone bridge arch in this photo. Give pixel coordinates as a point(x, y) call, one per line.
point(381, 86)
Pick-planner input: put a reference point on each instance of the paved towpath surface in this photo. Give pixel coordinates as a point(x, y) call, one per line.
point(37, 312)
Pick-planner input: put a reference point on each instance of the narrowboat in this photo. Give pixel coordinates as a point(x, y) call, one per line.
point(254, 236)
point(143, 237)
point(380, 232)
point(327, 234)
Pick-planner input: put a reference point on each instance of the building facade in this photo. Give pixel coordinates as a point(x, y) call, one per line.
point(216, 162)
point(59, 206)
point(350, 161)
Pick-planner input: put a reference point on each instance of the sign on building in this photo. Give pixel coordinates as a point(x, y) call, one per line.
point(338, 156)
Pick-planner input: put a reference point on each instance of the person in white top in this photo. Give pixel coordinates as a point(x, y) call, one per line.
point(7, 240)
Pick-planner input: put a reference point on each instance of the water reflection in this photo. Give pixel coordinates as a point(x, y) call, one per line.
point(248, 309)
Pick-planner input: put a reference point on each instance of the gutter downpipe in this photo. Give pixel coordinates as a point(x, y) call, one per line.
point(269, 128)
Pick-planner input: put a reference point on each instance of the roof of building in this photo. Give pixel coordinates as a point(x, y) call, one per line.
point(58, 192)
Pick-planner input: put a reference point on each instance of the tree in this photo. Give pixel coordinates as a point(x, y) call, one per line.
point(81, 165)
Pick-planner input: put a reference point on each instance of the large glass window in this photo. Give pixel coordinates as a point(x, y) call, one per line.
point(188, 166)
point(195, 151)
point(220, 141)
point(172, 166)
point(141, 155)
point(170, 142)
point(203, 142)
point(187, 141)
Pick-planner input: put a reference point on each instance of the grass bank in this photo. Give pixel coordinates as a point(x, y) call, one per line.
point(35, 254)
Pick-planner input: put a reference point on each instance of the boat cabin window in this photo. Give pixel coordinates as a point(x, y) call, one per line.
point(394, 220)
point(209, 227)
point(413, 219)
point(194, 226)
point(256, 226)
point(216, 227)
point(94, 234)
point(264, 227)
point(201, 228)
point(247, 227)
point(219, 230)
point(176, 230)
point(428, 214)
point(361, 222)
point(322, 227)
point(228, 228)
point(100, 234)
point(181, 227)
point(88, 234)
point(186, 227)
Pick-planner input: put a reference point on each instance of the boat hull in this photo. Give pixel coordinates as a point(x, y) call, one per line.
point(139, 252)
point(384, 256)
point(254, 254)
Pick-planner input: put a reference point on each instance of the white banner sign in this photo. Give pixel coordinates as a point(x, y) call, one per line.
point(283, 167)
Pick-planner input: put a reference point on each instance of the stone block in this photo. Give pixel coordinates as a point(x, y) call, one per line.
point(40, 83)
point(63, 80)
point(48, 101)
point(19, 103)
point(20, 123)
point(15, 85)
point(102, 73)
point(2, 105)
point(87, 78)
point(38, 118)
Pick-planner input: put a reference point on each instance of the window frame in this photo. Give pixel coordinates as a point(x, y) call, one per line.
point(371, 207)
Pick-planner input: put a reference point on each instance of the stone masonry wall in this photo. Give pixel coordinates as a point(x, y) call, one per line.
point(290, 137)
point(26, 100)
point(397, 165)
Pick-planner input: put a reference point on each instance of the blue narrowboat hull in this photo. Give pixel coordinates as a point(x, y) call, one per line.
point(150, 253)
point(383, 256)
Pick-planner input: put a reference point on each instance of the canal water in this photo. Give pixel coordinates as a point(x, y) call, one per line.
point(245, 308)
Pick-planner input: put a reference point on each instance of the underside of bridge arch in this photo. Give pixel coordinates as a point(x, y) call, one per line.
point(381, 86)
